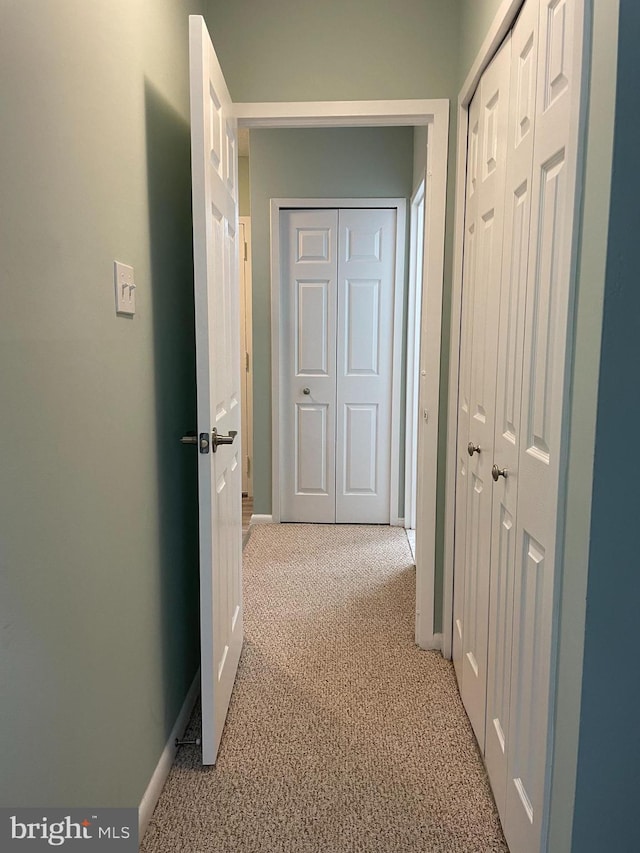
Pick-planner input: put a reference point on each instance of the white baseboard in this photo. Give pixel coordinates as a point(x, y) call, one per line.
point(156, 784)
point(261, 519)
point(430, 642)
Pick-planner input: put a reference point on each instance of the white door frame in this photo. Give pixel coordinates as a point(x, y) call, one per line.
point(434, 114)
point(414, 316)
point(247, 357)
point(277, 415)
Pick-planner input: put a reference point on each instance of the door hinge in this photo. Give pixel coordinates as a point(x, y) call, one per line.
point(248, 466)
point(246, 362)
point(245, 252)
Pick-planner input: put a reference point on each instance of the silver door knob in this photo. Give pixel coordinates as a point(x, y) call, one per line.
point(306, 390)
point(472, 448)
point(222, 439)
point(496, 473)
point(189, 439)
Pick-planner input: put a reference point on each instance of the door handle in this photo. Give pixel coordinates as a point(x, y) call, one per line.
point(306, 391)
point(192, 438)
point(222, 439)
point(472, 448)
point(498, 472)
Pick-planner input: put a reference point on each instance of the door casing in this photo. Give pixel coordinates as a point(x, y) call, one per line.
point(278, 204)
point(434, 115)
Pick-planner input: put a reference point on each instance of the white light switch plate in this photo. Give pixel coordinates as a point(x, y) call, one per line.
point(125, 289)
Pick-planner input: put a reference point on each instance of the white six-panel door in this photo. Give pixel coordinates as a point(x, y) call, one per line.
point(337, 312)
point(215, 228)
point(484, 308)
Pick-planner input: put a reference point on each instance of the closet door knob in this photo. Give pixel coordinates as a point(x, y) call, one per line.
point(472, 448)
point(498, 472)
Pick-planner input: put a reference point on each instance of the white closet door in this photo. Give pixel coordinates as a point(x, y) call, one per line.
point(366, 279)
point(492, 139)
point(544, 392)
point(464, 380)
point(308, 364)
point(524, 57)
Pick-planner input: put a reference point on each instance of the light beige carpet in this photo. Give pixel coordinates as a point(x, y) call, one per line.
point(342, 735)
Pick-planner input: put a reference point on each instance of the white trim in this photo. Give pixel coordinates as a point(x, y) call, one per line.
point(247, 307)
point(502, 23)
point(261, 519)
point(429, 400)
point(435, 114)
point(339, 113)
point(400, 206)
point(414, 309)
point(159, 777)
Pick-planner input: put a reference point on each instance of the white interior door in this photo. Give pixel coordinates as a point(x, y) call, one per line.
point(308, 364)
point(544, 396)
point(517, 223)
point(215, 229)
point(492, 141)
point(336, 370)
point(366, 278)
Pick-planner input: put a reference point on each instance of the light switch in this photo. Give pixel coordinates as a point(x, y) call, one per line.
point(125, 289)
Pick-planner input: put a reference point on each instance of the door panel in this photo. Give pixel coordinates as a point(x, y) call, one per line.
point(464, 386)
point(484, 309)
point(547, 331)
point(366, 288)
point(308, 365)
point(520, 136)
point(215, 228)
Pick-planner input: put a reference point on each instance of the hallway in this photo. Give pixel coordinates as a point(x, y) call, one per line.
point(342, 735)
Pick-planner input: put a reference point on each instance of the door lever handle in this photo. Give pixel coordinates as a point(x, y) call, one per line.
point(222, 439)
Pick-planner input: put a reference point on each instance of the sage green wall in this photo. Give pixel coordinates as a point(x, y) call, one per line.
point(98, 531)
point(311, 163)
point(476, 17)
point(289, 50)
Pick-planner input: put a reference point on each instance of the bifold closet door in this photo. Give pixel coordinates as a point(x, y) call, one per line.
point(309, 298)
point(337, 301)
point(547, 330)
point(366, 277)
point(484, 307)
point(517, 224)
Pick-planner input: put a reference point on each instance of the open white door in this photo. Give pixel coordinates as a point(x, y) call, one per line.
point(215, 228)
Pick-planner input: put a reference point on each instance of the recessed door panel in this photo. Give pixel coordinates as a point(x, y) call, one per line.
point(362, 327)
point(311, 474)
point(312, 330)
point(360, 450)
